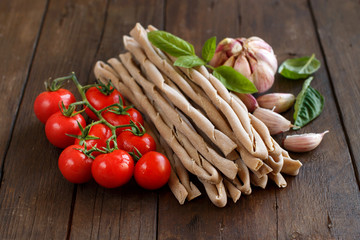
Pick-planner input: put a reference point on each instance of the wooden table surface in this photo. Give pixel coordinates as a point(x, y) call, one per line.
point(43, 38)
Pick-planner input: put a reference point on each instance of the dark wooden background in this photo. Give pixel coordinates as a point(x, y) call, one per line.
point(47, 38)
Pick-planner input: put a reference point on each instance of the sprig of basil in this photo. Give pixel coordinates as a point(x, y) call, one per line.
point(308, 105)
point(208, 50)
point(299, 68)
point(171, 44)
point(186, 58)
point(233, 80)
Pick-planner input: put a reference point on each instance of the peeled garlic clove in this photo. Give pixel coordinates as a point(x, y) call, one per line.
point(249, 101)
point(280, 102)
point(303, 142)
point(274, 121)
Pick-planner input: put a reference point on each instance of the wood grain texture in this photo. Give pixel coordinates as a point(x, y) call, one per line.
point(128, 212)
point(340, 44)
point(200, 219)
point(316, 203)
point(35, 199)
point(19, 31)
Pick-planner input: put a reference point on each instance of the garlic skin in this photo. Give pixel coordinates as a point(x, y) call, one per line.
point(303, 142)
point(254, 58)
point(280, 102)
point(274, 121)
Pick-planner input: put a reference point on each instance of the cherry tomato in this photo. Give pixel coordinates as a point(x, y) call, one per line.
point(113, 169)
point(99, 100)
point(58, 125)
point(152, 171)
point(47, 103)
point(128, 141)
point(122, 119)
point(74, 165)
point(100, 131)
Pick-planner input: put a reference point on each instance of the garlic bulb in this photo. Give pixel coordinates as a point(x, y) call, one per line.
point(279, 102)
point(303, 142)
point(252, 57)
point(274, 121)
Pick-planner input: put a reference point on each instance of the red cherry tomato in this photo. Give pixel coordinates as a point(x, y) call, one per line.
point(129, 141)
point(122, 119)
point(47, 103)
point(74, 165)
point(99, 100)
point(58, 125)
point(100, 131)
point(113, 169)
point(152, 171)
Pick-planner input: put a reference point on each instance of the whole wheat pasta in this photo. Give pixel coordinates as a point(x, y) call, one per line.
point(225, 144)
point(191, 150)
point(224, 165)
point(163, 129)
point(278, 179)
point(181, 172)
point(233, 191)
point(291, 167)
point(139, 35)
point(259, 182)
point(216, 193)
point(244, 175)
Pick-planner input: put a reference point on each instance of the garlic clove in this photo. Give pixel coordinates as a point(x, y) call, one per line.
point(242, 65)
point(303, 142)
point(274, 121)
point(226, 48)
point(280, 102)
point(230, 61)
point(249, 101)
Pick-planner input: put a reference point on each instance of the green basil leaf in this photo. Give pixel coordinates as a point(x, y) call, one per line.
point(308, 106)
point(234, 80)
point(299, 68)
point(208, 49)
point(171, 44)
point(189, 61)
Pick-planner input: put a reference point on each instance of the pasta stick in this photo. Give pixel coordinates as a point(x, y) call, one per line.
point(192, 190)
point(224, 165)
point(233, 191)
point(216, 193)
point(225, 144)
point(259, 182)
point(278, 179)
point(163, 129)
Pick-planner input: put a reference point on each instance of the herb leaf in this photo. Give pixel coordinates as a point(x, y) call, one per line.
point(299, 68)
point(208, 50)
point(171, 44)
point(189, 61)
point(234, 80)
point(309, 104)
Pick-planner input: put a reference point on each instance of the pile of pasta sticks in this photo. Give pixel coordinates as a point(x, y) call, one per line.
point(201, 127)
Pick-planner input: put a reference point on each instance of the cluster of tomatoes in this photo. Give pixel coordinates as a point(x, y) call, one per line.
point(105, 149)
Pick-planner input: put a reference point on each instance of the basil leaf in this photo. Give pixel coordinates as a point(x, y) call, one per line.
point(171, 44)
point(189, 61)
point(234, 80)
point(208, 49)
point(298, 68)
point(309, 104)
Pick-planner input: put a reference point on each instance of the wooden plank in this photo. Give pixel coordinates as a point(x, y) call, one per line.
point(128, 212)
point(196, 21)
point(20, 26)
point(35, 200)
point(340, 43)
point(323, 201)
